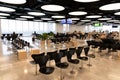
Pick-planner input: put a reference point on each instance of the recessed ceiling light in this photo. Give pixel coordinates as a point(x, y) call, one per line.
point(46, 18)
point(52, 7)
point(37, 20)
point(86, 20)
point(85, 1)
point(21, 19)
point(51, 21)
point(103, 19)
point(58, 16)
point(27, 17)
point(93, 16)
point(112, 20)
point(4, 14)
point(36, 13)
point(75, 18)
point(113, 6)
point(77, 13)
point(117, 13)
point(58, 20)
point(6, 9)
point(2, 17)
point(14, 1)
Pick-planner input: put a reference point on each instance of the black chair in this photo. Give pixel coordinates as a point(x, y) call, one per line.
point(64, 51)
point(82, 58)
point(86, 50)
point(42, 61)
point(35, 61)
point(51, 55)
point(59, 64)
point(69, 58)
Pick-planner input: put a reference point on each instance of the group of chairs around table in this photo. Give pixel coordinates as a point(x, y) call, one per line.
point(43, 58)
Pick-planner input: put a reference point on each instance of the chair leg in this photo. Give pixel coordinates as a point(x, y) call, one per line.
point(81, 64)
point(89, 64)
point(61, 76)
point(36, 69)
point(72, 71)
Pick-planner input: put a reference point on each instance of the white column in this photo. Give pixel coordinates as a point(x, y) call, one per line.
point(0, 39)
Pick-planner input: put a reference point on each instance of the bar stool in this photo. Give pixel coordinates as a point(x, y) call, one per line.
point(69, 58)
point(86, 50)
point(59, 64)
point(82, 58)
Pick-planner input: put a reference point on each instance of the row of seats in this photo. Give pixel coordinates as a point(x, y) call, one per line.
point(42, 59)
point(20, 43)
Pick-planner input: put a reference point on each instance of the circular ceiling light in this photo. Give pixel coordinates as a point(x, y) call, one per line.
point(86, 1)
point(113, 21)
point(6, 9)
point(117, 13)
point(37, 20)
point(58, 20)
point(51, 21)
point(58, 16)
point(3, 17)
point(27, 17)
point(113, 6)
point(21, 19)
point(93, 16)
point(52, 7)
point(46, 18)
point(86, 20)
point(75, 18)
point(103, 19)
point(4, 14)
point(77, 13)
point(36, 13)
point(14, 1)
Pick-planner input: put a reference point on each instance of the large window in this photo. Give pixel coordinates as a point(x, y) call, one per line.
point(26, 27)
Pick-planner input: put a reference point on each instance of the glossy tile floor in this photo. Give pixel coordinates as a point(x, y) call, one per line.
point(104, 67)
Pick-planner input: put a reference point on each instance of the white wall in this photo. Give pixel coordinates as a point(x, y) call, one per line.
point(72, 28)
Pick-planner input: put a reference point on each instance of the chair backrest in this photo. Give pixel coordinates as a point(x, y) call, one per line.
point(79, 51)
point(36, 57)
point(70, 53)
point(43, 61)
point(51, 55)
point(57, 57)
point(86, 50)
point(64, 51)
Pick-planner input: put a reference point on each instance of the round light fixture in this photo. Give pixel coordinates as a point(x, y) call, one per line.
point(117, 13)
point(75, 18)
point(14, 1)
point(112, 20)
point(4, 14)
point(93, 16)
point(103, 19)
point(58, 16)
point(2, 17)
point(29, 17)
point(113, 6)
point(52, 7)
point(77, 13)
point(46, 18)
point(51, 21)
point(6, 9)
point(21, 19)
point(37, 20)
point(85, 20)
point(86, 1)
point(36, 13)
point(58, 20)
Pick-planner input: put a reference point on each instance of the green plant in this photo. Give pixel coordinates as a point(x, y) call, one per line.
point(46, 36)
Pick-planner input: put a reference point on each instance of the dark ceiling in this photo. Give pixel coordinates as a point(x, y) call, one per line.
point(70, 5)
